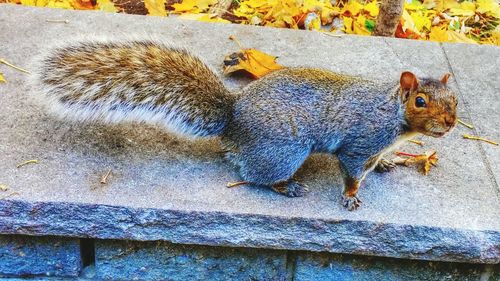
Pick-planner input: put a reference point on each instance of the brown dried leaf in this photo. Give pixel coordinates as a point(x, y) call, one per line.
point(423, 162)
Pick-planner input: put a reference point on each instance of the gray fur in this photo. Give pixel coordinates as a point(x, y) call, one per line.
point(269, 128)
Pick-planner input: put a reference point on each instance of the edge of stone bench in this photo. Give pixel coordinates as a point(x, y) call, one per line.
point(249, 230)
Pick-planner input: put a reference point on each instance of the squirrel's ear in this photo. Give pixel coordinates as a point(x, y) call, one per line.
point(444, 80)
point(408, 81)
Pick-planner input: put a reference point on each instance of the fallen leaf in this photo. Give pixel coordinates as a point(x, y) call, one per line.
point(352, 8)
point(156, 7)
point(359, 26)
point(2, 79)
point(203, 17)
point(372, 8)
point(348, 26)
point(4, 187)
point(205, 4)
point(82, 4)
point(106, 6)
point(423, 162)
point(454, 36)
point(185, 6)
point(253, 61)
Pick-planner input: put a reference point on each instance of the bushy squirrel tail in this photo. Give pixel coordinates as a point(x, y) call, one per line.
point(142, 81)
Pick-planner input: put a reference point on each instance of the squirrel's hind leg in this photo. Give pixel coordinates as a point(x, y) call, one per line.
point(272, 166)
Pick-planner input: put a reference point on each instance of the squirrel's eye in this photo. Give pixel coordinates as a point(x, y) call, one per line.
point(420, 102)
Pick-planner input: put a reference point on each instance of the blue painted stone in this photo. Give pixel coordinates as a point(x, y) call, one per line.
point(311, 267)
point(31, 256)
point(166, 261)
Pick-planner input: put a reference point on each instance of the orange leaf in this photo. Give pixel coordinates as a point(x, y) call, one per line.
point(252, 61)
point(423, 161)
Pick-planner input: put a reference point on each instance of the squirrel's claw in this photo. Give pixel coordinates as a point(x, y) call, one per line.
point(351, 202)
point(291, 188)
point(385, 165)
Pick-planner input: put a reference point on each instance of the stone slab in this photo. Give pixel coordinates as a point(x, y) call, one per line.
point(125, 260)
point(163, 187)
point(478, 70)
point(42, 256)
point(312, 267)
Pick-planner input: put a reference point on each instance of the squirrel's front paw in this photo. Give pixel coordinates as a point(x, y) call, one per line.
point(385, 165)
point(351, 202)
point(290, 188)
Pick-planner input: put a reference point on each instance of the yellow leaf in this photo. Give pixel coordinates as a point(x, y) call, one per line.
point(202, 17)
point(372, 8)
point(454, 36)
point(28, 2)
point(204, 4)
point(327, 14)
point(468, 6)
point(252, 61)
point(106, 6)
point(348, 25)
point(353, 7)
point(442, 5)
point(495, 36)
point(2, 79)
point(461, 12)
point(185, 6)
point(244, 11)
point(59, 4)
point(256, 3)
point(421, 21)
point(359, 26)
point(438, 34)
point(488, 7)
point(156, 7)
point(408, 22)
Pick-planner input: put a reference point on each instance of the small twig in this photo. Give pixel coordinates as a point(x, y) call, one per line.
point(4, 187)
point(58, 21)
point(466, 136)
point(421, 143)
point(13, 66)
point(10, 195)
point(234, 184)
point(465, 124)
point(232, 37)
point(405, 154)
point(104, 178)
point(332, 34)
point(33, 161)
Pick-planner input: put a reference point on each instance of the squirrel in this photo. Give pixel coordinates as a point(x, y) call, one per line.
point(268, 128)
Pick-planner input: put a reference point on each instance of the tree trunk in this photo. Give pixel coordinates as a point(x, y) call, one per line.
point(388, 18)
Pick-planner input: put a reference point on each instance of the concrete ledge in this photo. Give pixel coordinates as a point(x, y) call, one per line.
point(247, 230)
point(167, 188)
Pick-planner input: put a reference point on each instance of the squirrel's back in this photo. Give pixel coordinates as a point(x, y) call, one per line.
point(143, 81)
